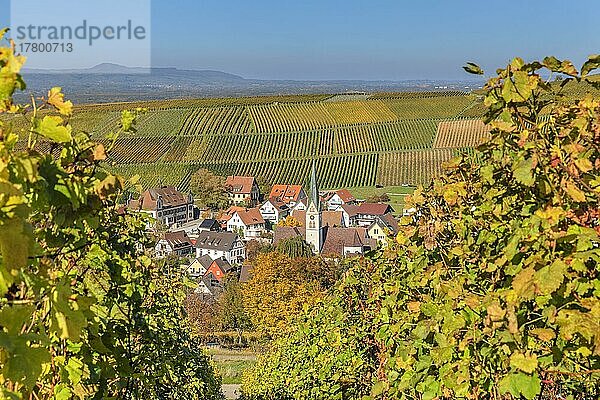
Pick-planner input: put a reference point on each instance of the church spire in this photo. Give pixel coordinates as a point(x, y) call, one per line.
point(314, 235)
point(314, 188)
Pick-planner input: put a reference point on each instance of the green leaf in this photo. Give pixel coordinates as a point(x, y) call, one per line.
point(522, 362)
point(591, 64)
point(15, 244)
point(12, 318)
point(520, 384)
point(473, 68)
point(523, 172)
point(550, 277)
point(51, 127)
point(23, 363)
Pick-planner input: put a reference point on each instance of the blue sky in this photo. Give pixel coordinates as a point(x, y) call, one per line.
point(395, 40)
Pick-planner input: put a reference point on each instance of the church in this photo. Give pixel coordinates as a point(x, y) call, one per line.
point(326, 240)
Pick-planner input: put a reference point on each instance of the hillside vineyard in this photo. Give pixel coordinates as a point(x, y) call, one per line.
point(382, 139)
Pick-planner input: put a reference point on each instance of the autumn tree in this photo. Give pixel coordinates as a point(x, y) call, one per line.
point(209, 189)
point(289, 221)
point(278, 290)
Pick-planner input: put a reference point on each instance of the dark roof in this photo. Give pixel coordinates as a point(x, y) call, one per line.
point(390, 222)
point(287, 232)
point(222, 241)
point(205, 261)
point(374, 209)
point(223, 264)
point(245, 272)
point(208, 223)
point(338, 238)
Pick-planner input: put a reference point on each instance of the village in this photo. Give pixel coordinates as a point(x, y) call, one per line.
point(211, 245)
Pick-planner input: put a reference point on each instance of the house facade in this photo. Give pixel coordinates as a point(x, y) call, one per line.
point(226, 245)
point(349, 214)
point(166, 205)
point(335, 200)
point(199, 266)
point(383, 228)
point(274, 210)
point(242, 190)
point(248, 223)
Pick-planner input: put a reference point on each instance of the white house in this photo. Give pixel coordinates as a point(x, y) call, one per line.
point(249, 223)
point(274, 210)
point(335, 200)
point(368, 212)
point(349, 214)
point(226, 245)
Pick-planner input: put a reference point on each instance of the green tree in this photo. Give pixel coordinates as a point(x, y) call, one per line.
point(209, 189)
point(232, 313)
point(491, 290)
point(294, 247)
point(82, 313)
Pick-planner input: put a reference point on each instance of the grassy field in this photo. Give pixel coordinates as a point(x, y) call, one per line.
point(395, 193)
point(231, 364)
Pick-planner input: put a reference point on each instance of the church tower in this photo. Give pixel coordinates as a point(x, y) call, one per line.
point(314, 231)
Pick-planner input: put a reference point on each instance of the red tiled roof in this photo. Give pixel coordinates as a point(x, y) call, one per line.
point(351, 209)
point(335, 238)
point(328, 218)
point(286, 193)
point(345, 195)
point(251, 216)
point(227, 214)
point(374, 209)
point(239, 184)
point(169, 196)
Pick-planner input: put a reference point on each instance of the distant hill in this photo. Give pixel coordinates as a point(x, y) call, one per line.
point(108, 83)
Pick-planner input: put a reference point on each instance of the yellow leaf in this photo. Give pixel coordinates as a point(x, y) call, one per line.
point(57, 99)
point(99, 152)
point(574, 192)
point(545, 335)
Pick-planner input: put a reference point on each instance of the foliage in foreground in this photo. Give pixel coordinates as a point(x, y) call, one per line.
point(492, 289)
point(82, 314)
